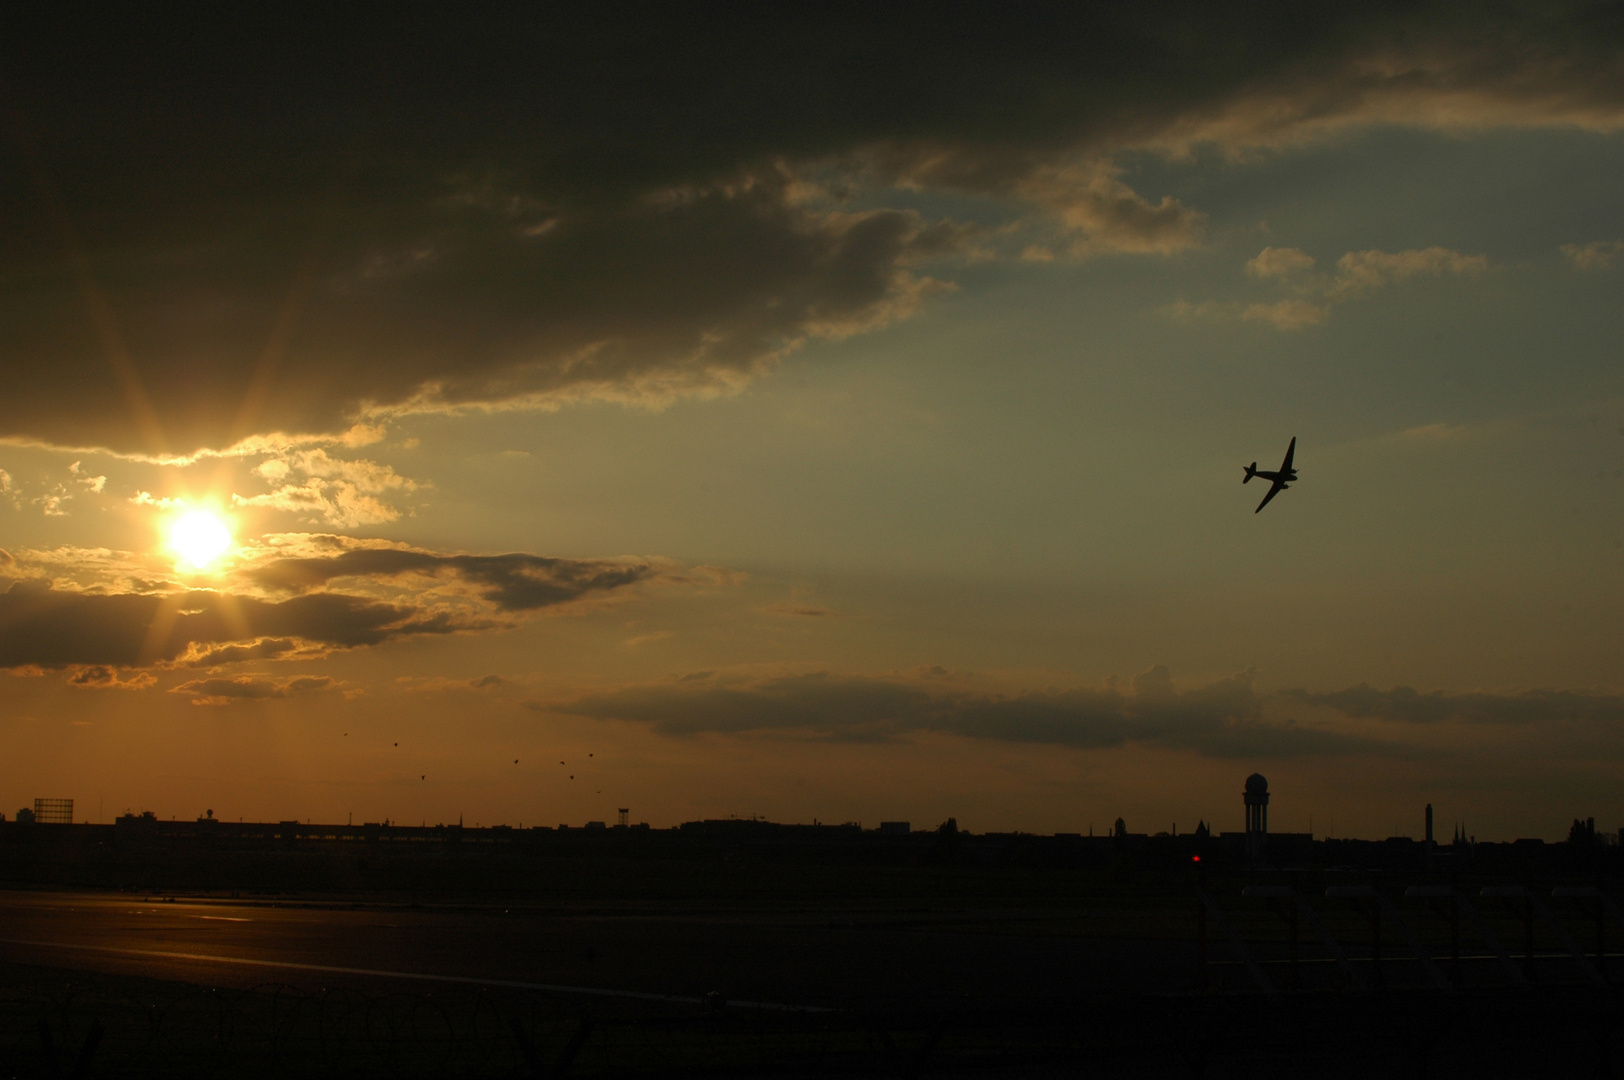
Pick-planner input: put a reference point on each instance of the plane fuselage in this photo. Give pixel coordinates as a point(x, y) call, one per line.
point(1279, 479)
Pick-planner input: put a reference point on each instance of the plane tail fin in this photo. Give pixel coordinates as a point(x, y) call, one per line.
point(1251, 471)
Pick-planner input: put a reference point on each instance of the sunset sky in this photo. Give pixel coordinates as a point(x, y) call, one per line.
point(822, 415)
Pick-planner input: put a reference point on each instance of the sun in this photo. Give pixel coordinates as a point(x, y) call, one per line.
point(199, 538)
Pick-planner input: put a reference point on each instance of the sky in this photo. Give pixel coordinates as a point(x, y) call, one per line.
point(826, 414)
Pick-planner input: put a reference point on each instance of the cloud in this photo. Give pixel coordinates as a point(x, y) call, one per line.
point(51, 502)
point(1273, 262)
point(95, 484)
point(1362, 272)
point(533, 208)
point(512, 582)
point(93, 606)
point(51, 628)
point(102, 677)
point(1597, 255)
point(318, 501)
point(1406, 705)
point(328, 489)
point(1103, 215)
point(221, 655)
point(1358, 274)
point(1287, 314)
point(1222, 719)
point(251, 688)
point(681, 291)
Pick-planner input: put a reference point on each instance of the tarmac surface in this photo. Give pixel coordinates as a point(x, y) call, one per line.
point(134, 985)
point(749, 958)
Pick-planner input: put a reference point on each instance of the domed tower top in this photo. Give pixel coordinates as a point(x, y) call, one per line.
point(1256, 799)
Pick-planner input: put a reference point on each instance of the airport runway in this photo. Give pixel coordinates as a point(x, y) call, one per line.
point(146, 986)
point(762, 958)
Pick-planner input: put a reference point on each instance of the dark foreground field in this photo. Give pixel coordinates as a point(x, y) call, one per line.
point(65, 1023)
point(98, 984)
point(595, 957)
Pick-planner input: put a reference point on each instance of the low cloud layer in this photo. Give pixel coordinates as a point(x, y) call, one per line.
point(1222, 719)
point(226, 691)
point(522, 209)
point(1409, 706)
point(512, 582)
point(114, 619)
point(51, 628)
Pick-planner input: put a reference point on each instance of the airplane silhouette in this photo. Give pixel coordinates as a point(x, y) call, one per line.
point(1281, 479)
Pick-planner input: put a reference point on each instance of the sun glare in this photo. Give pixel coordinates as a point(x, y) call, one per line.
point(199, 538)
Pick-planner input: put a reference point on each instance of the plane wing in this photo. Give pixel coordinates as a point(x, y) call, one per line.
point(1277, 486)
point(1285, 466)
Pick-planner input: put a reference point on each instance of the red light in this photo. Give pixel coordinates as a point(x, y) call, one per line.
point(1195, 858)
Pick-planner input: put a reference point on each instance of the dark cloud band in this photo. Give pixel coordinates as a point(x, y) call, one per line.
point(1407, 705)
point(1222, 719)
point(513, 582)
point(50, 628)
point(233, 224)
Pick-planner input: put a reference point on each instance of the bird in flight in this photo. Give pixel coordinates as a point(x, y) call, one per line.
point(1281, 480)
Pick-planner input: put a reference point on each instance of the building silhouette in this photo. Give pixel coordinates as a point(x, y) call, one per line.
point(53, 811)
point(1256, 799)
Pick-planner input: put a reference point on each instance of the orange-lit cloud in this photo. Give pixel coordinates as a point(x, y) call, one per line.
point(1290, 314)
point(225, 691)
point(102, 677)
point(111, 617)
point(1362, 272)
point(1358, 275)
point(1273, 262)
point(1596, 255)
point(1099, 214)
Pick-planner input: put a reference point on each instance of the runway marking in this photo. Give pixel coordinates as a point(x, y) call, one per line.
point(331, 969)
point(218, 918)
